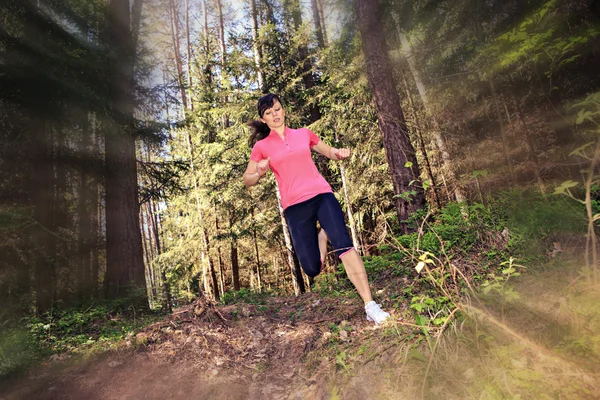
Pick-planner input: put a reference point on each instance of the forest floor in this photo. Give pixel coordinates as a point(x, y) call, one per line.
point(319, 346)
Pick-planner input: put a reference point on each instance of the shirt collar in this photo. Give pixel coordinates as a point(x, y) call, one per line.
point(274, 132)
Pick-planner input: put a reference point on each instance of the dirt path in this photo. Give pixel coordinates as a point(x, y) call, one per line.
point(275, 350)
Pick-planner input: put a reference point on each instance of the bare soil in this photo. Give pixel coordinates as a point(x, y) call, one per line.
point(276, 350)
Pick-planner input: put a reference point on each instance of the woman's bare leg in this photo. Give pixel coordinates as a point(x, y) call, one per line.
point(323, 245)
point(355, 268)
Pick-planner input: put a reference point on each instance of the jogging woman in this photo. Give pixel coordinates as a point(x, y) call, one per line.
point(306, 197)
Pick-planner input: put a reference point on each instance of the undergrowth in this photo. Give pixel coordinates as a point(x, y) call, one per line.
point(79, 330)
point(473, 326)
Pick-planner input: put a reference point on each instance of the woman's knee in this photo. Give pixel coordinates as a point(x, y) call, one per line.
point(311, 267)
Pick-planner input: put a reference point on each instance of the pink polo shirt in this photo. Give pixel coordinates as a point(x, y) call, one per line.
point(292, 163)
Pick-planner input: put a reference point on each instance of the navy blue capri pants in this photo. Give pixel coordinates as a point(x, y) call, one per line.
point(302, 221)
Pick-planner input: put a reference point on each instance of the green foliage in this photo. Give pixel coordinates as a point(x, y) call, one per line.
point(497, 287)
point(455, 227)
point(539, 38)
point(19, 349)
point(531, 219)
point(80, 330)
point(245, 295)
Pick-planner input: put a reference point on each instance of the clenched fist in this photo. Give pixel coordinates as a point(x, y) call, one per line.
point(341, 154)
point(263, 166)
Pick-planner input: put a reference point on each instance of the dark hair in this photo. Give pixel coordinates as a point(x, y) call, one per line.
point(258, 129)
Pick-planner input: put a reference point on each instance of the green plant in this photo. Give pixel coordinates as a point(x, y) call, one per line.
point(589, 113)
point(497, 284)
point(244, 295)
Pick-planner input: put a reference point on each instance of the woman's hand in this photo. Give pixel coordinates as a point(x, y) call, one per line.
point(341, 154)
point(263, 166)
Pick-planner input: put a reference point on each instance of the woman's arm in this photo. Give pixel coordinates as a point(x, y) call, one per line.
point(255, 170)
point(331, 152)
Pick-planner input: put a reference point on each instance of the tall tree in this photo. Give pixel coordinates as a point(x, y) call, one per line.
point(257, 48)
point(124, 253)
point(318, 26)
point(43, 200)
point(448, 169)
point(402, 161)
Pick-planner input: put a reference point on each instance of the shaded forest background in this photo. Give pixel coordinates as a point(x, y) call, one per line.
point(124, 134)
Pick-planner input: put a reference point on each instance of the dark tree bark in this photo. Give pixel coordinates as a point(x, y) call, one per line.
point(235, 265)
point(63, 257)
point(211, 264)
point(42, 199)
point(136, 19)
point(257, 254)
point(220, 257)
point(392, 125)
point(84, 228)
point(124, 254)
point(317, 21)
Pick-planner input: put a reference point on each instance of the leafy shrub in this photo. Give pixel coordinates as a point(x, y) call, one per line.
point(455, 226)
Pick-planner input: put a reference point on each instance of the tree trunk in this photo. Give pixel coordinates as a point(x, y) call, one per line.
point(270, 17)
point(419, 134)
point(255, 240)
point(219, 257)
point(174, 16)
point(96, 236)
point(440, 142)
point(149, 249)
point(399, 150)
point(222, 33)
point(235, 266)
point(84, 214)
point(317, 22)
point(136, 19)
point(207, 63)
point(211, 265)
point(189, 53)
point(351, 221)
point(158, 246)
point(257, 47)
point(147, 260)
point(323, 24)
point(42, 198)
point(124, 253)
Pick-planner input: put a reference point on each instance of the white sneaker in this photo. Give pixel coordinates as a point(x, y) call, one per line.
point(375, 313)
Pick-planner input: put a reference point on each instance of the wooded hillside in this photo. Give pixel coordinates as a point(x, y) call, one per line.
point(124, 132)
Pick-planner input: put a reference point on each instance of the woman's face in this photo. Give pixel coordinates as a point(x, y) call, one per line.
point(274, 117)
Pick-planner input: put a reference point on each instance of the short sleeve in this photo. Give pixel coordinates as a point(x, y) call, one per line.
point(256, 155)
point(313, 139)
